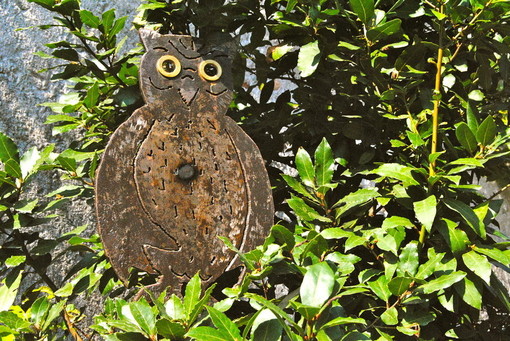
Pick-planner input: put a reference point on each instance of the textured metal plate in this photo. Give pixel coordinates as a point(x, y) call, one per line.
point(179, 173)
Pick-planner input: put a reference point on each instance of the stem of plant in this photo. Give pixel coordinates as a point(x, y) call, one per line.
point(437, 94)
point(435, 113)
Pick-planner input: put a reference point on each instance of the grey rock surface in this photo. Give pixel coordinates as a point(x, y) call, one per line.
point(23, 88)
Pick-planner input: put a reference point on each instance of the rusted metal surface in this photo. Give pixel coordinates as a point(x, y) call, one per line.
point(179, 173)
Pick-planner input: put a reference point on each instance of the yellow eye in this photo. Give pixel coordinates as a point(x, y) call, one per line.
point(210, 70)
point(168, 66)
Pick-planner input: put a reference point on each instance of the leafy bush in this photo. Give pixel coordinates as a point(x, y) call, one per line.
point(398, 106)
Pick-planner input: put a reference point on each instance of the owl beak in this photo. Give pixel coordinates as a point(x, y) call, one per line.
point(188, 95)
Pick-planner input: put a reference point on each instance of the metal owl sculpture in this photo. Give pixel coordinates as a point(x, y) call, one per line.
point(179, 173)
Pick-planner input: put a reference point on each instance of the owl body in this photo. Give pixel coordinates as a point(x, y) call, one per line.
point(179, 173)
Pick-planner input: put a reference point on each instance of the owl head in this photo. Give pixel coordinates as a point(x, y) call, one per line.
point(182, 71)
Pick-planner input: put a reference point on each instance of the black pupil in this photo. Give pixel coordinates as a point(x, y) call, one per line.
point(211, 70)
point(168, 65)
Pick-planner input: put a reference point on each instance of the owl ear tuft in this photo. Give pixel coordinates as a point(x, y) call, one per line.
point(148, 37)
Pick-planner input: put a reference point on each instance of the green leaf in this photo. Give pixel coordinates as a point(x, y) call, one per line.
point(169, 329)
point(317, 285)
point(324, 163)
point(266, 327)
point(14, 261)
point(343, 320)
point(398, 172)
point(224, 324)
point(442, 282)
point(486, 132)
point(425, 211)
point(382, 31)
point(39, 310)
point(54, 312)
point(395, 221)
point(470, 292)
point(89, 19)
point(297, 186)
point(466, 137)
point(208, 334)
point(283, 236)
point(428, 268)
point(67, 163)
point(25, 206)
point(192, 294)
point(478, 264)
point(13, 321)
point(335, 233)
point(364, 9)
point(468, 215)
point(392, 240)
point(140, 313)
point(380, 288)
point(8, 292)
point(399, 285)
point(118, 26)
point(408, 259)
point(305, 167)
point(8, 149)
point(476, 95)
point(92, 97)
point(107, 19)
point(390, 316)
point(471, 117)
point(279, 51)
point(303, 211)
point(308, 58)
point(279, 313)
point(500, 291)
point(65, 291)
point(174, 308)
point(353, 200)
point(354, 241)
point(496, 254)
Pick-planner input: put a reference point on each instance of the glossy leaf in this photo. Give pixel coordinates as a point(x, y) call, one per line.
point(486, 132)
point(454, 236)
point(442, 282)
point(380, 288)
point(399, 285)
point(468, 215)
point(364, 9)
point(466, 137)
point(478, 264)
point(324, 163)
point(266, 327)
point(398, 172)
point(317, 285)
point(408, 260)
point(308, 58)
point(192, 294)
point(208, 334)
point(470, 292)
point(425, 211)
point(384, 30)
point(305, 167)
point(305, 212)
point(224, 324)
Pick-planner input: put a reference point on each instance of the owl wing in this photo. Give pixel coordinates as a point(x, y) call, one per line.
point(122, 223)
point(260, 200)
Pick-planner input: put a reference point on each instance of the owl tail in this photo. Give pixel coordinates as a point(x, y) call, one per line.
point(161, 260)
